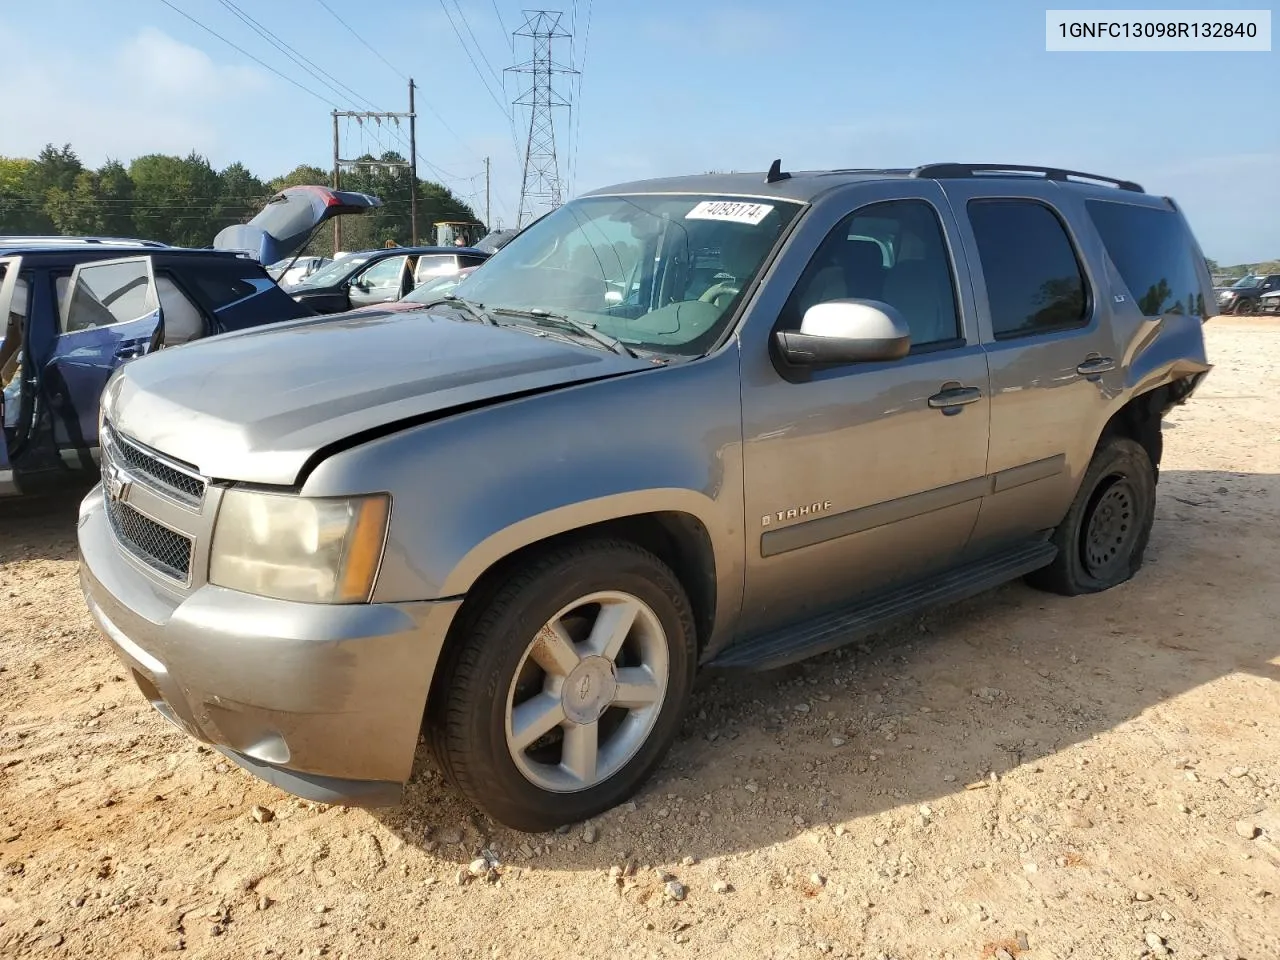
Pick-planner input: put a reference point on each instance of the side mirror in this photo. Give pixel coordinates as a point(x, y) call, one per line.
point(846, 331)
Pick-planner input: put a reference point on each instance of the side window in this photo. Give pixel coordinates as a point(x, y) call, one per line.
point(108, 293)
point(435, 265)
point(183, 320)
point(61, 282)
point(471, 261)
point(218, 284)
point(894, 252)
point(1034, 281)
point(1152, 252)
point(384, 273)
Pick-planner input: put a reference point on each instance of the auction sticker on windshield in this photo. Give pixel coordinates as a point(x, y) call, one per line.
point(735, 211)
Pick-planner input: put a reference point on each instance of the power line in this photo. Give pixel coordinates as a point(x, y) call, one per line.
point(363, 40)
point(267, 34)
point(511, 40)
point(246, 53)
point(432, 110)
point(307, 64)
point(475, 66)
point(476, 44)
point(576, 132)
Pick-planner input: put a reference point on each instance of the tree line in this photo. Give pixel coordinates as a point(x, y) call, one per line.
point(185, 201)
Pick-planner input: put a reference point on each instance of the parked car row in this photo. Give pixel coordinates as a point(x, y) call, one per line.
point(1250, 294)
point(77, 308)
point(371, 277)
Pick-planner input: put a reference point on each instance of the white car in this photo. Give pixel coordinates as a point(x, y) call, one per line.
point(287, 272)
point(1269, 302)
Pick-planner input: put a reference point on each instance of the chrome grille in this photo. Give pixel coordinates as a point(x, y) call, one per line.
point(163, 549)
point(163, 475)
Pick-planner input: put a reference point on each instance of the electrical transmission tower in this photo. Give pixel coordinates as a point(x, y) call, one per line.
point(541, 185)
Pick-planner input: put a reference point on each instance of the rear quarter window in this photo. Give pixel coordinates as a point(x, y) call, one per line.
point(218, 284)
point(1153, 254)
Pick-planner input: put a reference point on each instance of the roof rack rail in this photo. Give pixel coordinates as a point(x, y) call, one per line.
point(58, 239)
point(954, 171)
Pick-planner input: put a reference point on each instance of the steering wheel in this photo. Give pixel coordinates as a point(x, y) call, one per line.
point(717, 291)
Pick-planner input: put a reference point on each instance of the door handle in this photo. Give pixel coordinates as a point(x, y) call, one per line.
point(1096, 366)
point(955, 397)
point(128, 353)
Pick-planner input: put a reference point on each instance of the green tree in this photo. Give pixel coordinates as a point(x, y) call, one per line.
point(115, 193)
point(183, 200)
point(241, 195)
point(19, 212)
point(300, 176)
point(176, 198)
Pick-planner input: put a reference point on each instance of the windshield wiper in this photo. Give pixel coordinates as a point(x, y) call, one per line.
point(565, 322)
point(472, 309)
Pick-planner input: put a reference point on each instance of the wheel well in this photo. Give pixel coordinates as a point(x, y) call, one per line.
point(1139, 419)
point(677, 539)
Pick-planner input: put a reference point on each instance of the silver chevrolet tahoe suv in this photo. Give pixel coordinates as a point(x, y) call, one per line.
point(717, 422)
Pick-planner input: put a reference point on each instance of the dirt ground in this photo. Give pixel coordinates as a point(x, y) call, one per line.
point(1094, 777)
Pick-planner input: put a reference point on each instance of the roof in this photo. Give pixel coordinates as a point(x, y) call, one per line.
point(413, 251)
point(64, 241)
point(802, 186)
point(110, 251)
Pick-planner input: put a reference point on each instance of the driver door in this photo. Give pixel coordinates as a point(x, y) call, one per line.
point(110, 315)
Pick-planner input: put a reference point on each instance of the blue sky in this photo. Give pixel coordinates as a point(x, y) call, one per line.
point(666, 87)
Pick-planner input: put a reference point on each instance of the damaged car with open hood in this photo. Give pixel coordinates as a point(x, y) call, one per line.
point(720, 422)
point(75, 309)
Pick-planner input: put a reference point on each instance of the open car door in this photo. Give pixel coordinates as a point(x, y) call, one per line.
point(12, 316)
point(110, 315)
point(289, 220)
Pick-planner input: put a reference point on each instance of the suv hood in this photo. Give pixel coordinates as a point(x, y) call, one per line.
point(256, 405)
point(289, 219)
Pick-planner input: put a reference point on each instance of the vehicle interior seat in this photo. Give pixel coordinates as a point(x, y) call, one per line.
point(851, 269)
point(183, 321)
point(920, 288)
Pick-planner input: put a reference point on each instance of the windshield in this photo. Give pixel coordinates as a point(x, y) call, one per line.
point(659, 272)
point(1244, 283)
point(333, 272)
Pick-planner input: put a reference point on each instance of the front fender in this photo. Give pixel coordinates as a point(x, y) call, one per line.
point(470, 489)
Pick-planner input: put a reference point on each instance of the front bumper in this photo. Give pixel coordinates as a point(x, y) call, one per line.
point(325, 701)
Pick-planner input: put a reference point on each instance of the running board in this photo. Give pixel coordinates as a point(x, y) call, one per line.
point(830, 631)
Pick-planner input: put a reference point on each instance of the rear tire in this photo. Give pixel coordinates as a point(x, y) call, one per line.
point(566, 686)
point(1102, 539)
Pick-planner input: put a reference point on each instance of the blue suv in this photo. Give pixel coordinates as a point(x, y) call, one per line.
point(76, 308)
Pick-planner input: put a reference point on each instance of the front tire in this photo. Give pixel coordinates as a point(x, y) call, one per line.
point(1102, 539)
point(566, 689)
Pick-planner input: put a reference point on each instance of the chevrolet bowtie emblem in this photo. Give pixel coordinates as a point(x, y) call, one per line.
point(114, 483)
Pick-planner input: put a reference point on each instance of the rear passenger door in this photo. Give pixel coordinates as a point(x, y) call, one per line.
point(1044, 317)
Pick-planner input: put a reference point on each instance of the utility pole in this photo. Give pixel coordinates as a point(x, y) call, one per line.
point(541, 183)
point(337, 221)
point(411, 164)
point(488, 224)
point(413, 169)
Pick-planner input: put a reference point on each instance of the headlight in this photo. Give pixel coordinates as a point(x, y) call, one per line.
point(317, 550)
